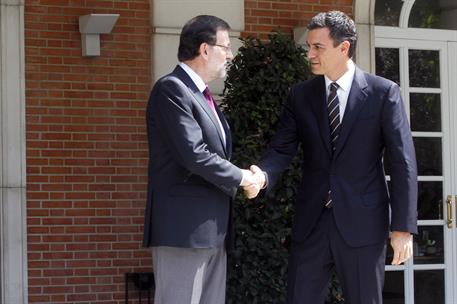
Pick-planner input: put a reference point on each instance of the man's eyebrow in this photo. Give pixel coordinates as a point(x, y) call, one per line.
point(314, 44)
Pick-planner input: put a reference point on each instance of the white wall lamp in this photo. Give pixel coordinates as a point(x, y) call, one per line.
point(300, 34)
point(90, 27)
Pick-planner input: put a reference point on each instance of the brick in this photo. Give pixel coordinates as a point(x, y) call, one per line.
point(264, 13)
point(57, 289)
point(285, 22)
point(103, 238)
point(57, 255)
point(58, 272)
point(81, 264)
point(264, 5)
point(57, 238)
point(82, 289)
point(80, 247)
point(37, 196)
point(57, 221)
point(37, 298)
point(81, 280)
point(79, 195)
point(77, 298)
point(263, 20)
point(37, 230)
point(56, 298)
point(250, 4)
point(284, 6)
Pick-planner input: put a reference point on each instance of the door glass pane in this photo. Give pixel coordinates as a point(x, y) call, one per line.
point(424, 68)
point(387, 12)
point(430, 200)
point(428, 245)
point(394, 290)
point(425, 112)
point(429, 287)
point(429, 156)
point(434, 14)
point(388, 63)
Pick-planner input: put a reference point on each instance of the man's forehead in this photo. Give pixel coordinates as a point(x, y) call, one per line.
point(318, 36)
point(222, 35)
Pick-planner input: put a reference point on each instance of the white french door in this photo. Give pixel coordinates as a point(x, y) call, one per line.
point(424, 64)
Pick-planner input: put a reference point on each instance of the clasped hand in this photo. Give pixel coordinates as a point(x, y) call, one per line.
point(253, 181)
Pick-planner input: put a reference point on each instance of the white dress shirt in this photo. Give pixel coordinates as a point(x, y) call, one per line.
point(201, 86)
point(345, 84)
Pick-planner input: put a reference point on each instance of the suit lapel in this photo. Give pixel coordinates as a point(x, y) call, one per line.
point(201, 100)
point(318, 99)
point(204, 103)
point(355, 103)
point(228, 136)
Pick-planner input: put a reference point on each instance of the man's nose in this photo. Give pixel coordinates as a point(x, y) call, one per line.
point(310, 54)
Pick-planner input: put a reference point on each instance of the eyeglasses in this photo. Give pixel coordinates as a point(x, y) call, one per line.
point(226, 48)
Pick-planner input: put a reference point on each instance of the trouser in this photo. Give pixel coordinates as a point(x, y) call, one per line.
point(360, 269)
point(189, 275)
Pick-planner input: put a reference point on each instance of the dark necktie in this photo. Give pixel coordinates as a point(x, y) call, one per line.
point(209, 99)
point(333, 108)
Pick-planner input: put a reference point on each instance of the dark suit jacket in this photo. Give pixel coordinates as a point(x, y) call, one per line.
point(374, 123)
point(191, 182)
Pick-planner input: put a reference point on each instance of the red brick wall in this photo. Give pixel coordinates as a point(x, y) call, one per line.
point(86, 150)
point(263, 16)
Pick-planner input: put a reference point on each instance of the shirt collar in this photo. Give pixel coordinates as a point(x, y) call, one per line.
point(194, 76)
point(345, 81)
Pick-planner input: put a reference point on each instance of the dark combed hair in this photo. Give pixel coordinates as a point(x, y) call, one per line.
point(198, 30)
point(341, 27)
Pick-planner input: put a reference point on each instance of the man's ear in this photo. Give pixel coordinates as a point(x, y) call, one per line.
point(204, 49)
point(345, 45)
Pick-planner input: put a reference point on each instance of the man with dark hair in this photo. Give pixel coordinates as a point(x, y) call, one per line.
point(191, 181)
point(345, 120)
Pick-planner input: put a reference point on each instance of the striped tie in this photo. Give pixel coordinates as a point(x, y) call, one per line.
point(333, 107)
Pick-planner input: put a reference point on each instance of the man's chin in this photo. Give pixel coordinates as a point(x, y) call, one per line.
point(316, 71)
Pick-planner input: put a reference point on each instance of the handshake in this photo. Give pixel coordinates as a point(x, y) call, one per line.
point(253, 181)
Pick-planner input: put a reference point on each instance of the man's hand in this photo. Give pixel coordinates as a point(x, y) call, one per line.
point(402, 244)
point(258, 175)
point(253, 183)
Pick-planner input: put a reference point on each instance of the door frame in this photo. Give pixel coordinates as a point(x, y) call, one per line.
point(446, 43)
point(452, 76)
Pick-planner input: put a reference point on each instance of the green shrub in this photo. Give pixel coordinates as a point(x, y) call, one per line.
point(256, 87)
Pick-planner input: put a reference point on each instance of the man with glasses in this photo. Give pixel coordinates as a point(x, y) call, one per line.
point(191, 180)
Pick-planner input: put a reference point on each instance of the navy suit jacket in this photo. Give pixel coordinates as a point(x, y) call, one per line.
point(191, 182)
point(374, 123)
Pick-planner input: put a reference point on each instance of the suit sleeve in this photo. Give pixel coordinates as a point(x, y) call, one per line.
point(403, 175)
point(283, 145)
point(183, 135)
